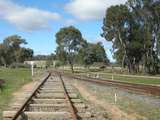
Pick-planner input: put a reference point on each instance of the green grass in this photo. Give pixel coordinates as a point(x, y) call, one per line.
point(129, 102)
point(14, 79)
point(145, 79)
point(137, 80)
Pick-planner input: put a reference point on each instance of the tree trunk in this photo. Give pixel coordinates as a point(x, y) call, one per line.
point(124, 56)
point(125, 50)
point(72, 68)
point(71, 65)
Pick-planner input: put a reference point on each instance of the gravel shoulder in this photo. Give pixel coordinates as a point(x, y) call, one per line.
point(129, 106)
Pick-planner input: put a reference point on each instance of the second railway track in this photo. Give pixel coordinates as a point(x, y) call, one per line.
point(149, 89)
point(52, 99)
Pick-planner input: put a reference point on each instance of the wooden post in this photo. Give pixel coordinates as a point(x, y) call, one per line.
point(32, 67)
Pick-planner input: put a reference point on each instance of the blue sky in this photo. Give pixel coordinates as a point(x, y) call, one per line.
point(38, 20)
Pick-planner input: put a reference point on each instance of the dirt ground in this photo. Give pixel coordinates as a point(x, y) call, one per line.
point(28, 87)
point(114, 112)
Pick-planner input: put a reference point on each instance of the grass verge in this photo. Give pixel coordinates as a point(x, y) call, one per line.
point(14, 79)
point(139, 105)
point(148, 80)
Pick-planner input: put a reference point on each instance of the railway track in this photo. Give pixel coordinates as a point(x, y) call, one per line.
point(52, 99)
point(149, 89)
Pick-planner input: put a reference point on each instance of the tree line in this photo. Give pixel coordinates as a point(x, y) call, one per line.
point(134, 29)
point(74, 49)
point(11, 51)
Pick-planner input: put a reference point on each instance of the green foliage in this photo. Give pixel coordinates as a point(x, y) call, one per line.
point(69, 41)
point(61, 55)
point(19, 65)
point(94, 53)
point(134, 31)
point(72, 48)
point(50, 60)
point(14, 79)
point(24, 54)
point(12, 52)
point(2, 83)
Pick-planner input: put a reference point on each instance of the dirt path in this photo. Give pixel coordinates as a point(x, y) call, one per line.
point(25, 88)
point(114, 112)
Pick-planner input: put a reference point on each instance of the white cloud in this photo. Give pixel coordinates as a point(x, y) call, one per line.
point(90, 9)
point(26, 18)
point(69, 22)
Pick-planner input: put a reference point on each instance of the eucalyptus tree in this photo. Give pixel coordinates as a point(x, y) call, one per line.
point(61, 55)
point(146, 14)
point(69, 39)
point(134, 31)
point(95, 53)
point(115, 29)
point(13, 47)
point(11, 50)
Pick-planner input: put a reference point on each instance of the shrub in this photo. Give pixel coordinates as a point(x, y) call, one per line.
point(19, 65)
point(2, 82)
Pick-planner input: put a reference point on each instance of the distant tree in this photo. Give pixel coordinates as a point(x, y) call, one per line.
point(79, 58)
point(25, 54)
point(146, 15)
point(95, 53)
point(12, 46)
point(51, 59)
point(115, 28)
point(12, 52)
point(134, 31)
point(2, 55)
point(69, 40)
point(61, 55)
point(14, 41)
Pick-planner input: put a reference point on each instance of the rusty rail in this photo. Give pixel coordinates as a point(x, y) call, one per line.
point(20, 110)
point(149, 89)
point(72, 109)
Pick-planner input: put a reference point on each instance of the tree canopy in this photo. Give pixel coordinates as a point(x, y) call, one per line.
point(12, 52)
point(69, 41)
point(73, 48)
point(135, 33)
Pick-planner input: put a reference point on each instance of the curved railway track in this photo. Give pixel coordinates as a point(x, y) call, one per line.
point(52, 99)
point(149, 89)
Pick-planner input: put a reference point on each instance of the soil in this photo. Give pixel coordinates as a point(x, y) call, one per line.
point(114, 112)
point(27, 87)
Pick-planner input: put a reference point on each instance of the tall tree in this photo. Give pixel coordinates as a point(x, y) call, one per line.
point(134, 31)
point(116, 27)
point(94, 53)
point(12, 46)
point(146, 14)
point(61, 55)
point(24, 54)
point(69, 39)
point(11, 50)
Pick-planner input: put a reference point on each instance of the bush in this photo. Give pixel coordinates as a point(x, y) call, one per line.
point(2, 82)
point(58, 64)
point(19, 65)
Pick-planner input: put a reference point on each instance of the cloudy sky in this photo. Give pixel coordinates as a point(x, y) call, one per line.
point(38, 20)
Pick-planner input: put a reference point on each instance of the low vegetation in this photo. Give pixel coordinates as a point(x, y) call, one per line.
point(149, 80)
point(141, 106)
point(13, 80)
point(74, 49)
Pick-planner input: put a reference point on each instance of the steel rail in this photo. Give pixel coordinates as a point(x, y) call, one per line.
point(72, 108)
point(20, 110)
point(150, 89)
